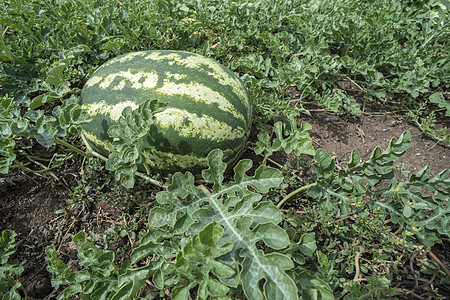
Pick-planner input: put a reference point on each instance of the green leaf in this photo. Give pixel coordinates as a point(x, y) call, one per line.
point(294, 139)
point(438, 98)
point(5, 104)
point(127, 137)
point(257, 266)
point(52, 94)
point(216, 169)
point(43, 130)
point(133, 125)
point(198, 264)
point(9, 267)
point(235, 213)
point(69, 116)
point(132, 281)
point(99, 277)
point(7, 155)
point(54, 75)
point(312, 287)
point(405, 202)
point(407, 211)
point(307, 244)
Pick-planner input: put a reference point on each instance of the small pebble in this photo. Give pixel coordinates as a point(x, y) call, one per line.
point(327, 120)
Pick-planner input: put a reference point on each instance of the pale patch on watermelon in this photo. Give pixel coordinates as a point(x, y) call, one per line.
point(114, 111)
point(128, 56)
point(188, 125)
point(87, 136)
point(196, 61)
point(93, 80)
point(175, 76)
point(161, 160)
point(200, 93)
point(156, 55)
point(150, 80)
point(120, 85)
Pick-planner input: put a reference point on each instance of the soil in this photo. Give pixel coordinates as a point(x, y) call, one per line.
point(36, 207)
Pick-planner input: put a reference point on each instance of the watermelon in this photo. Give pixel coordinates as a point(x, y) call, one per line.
point(208, 107)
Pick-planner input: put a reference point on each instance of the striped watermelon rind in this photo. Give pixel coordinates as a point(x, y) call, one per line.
point(208, 108)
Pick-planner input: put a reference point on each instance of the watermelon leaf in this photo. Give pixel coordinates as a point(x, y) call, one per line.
point(69, 116)
point(7, 155)
point(419, 203)
point(127, 137)
point(426, 197)
point(9, 267)
point(35, 123)
point(288, 137)
point(43, 130)
point(100, 277)
point(235, 218)
point(438, 98)
point(197, 262)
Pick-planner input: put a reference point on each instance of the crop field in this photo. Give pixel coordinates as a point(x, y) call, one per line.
point(341, 189)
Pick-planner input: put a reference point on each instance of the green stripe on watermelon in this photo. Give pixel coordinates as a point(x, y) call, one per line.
point(208, 106)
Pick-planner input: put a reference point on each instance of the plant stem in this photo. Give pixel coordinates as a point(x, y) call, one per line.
point(439, 262)
point(93, 153)
point(205, 190)
point(357, 85)
point(400, 228)
point(72, 147)
point(273, 162)
point(142, 175)
point(265, 160)
point(23, 167)
point(305, 187)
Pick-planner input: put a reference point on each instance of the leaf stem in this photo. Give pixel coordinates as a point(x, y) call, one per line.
point(38, 172)
point(93, 153)
point(205, 190)
point(142, 175)
point(439, 262)
point(272, 161)
point(287, 197)
point(72, 147)
point(265, 160)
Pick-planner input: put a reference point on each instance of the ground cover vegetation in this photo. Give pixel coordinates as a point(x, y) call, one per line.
point(302, 226)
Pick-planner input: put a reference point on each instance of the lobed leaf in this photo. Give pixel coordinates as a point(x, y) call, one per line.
point(236, 219)
point(294, 139)
point(127, 136)
point(407, 202)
